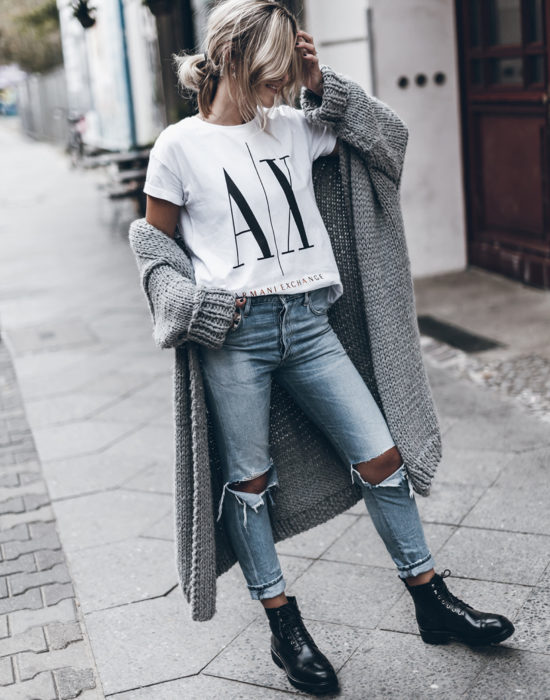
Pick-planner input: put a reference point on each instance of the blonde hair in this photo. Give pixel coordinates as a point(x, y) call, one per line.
point(251, 42)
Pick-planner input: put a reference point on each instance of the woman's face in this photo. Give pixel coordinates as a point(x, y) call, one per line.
point(268, 91)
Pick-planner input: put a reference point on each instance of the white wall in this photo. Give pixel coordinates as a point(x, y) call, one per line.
point(144, 62)
point(408, 37)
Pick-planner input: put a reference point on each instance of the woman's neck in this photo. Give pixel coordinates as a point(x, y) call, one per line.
point(223, 110)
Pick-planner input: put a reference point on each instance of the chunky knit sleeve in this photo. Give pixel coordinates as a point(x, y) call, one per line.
point(180, 310)
point(363, 121)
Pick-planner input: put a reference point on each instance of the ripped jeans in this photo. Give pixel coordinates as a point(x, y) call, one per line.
point(289, 339)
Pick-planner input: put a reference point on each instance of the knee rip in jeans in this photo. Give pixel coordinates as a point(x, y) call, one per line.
point(250, 498)
point(395, 479)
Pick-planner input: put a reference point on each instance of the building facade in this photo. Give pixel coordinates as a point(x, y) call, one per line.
point(470, 79)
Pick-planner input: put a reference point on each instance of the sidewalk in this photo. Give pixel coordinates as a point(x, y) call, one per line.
point(98, 516)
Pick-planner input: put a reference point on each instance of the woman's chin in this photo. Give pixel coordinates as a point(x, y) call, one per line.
point(268, 101)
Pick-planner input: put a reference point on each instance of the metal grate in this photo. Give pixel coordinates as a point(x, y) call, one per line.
point(455, 336)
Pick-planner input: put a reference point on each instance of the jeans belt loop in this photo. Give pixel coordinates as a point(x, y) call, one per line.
point(248, 304)
point(306, 298)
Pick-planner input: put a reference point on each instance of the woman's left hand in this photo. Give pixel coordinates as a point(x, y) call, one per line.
point(313, 78)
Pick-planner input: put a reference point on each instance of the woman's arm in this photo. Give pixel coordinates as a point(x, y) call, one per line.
point(371, 127)
point(162, 214)
point(181, 311)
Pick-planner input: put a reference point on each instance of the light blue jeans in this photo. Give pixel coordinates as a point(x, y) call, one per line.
point(289, 339)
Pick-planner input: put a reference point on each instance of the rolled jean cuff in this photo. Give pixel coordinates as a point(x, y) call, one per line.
point(268, 590)
point(419, 567)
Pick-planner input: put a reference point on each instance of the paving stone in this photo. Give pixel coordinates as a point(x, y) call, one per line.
point(43, 513)
point(156, 477)
point(91, 473)
point(29, 478)
point(488, 596)
point(15, 549)
point(30, 466)
point(24, 562)
point(200, 687)
point(107, 517)
point(9, 480)
point(50, 335)
point(139, 569)
point(31, 640)
point(41, 529)
point(3, 587)
point(3, 626)
point(12, 505)
point(533, 623)
point(508, 557)
point(46, 558)
point(521, 432)
point(315, 541)
point(55, 592)
point(471, 466)
point(60, 634)
point(71, 682)
point(361, 544)
point(155, 640)
point(527, 478)
point(36, 501)
point(247, 658)
point(544, 580)
point(20, 620)
point(65, 408)
point(347, 594)
point(18, 532)
point(36, 487)
point(393, 665)
point(77, 438)
point(6, 672)
point(30, 599)
point(74, 656)
point(21, 582)
point(163, 529)
point(448, 502)
point(511, 674)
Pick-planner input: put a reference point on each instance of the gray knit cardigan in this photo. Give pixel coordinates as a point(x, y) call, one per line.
point(358, 194)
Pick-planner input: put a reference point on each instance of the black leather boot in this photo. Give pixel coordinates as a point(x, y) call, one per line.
point(293, 649)
point(442, 616)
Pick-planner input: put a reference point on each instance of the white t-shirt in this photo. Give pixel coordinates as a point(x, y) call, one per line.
point(248, 213)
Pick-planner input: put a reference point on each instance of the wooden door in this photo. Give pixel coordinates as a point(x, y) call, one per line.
point(504, 63)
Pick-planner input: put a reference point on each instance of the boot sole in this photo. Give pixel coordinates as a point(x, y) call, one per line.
point(300, 685)
point(442, 637)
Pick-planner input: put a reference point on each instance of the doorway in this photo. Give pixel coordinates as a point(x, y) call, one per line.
point(504, 67)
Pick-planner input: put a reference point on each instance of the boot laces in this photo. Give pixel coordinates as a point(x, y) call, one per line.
point(294, 628)
point(453, 598)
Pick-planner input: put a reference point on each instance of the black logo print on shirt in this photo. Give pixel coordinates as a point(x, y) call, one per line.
point(235, 195)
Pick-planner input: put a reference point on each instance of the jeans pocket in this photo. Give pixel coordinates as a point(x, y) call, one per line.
point(319, 301)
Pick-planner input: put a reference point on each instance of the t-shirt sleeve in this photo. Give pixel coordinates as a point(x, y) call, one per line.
point(162, 179)
point(322, 139)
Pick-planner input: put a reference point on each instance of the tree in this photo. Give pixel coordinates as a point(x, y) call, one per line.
point(29, 35)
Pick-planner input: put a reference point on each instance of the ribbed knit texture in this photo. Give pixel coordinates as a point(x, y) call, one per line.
point(358, 197)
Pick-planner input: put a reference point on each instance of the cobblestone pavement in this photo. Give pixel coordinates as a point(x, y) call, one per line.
point(524, 378)
point(43, 653)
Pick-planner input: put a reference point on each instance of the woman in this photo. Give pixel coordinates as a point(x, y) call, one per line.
point(235, 182)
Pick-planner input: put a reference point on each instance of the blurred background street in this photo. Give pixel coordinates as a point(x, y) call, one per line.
point(89, 601)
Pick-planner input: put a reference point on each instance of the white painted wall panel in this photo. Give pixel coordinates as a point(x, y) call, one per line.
point(409, 37)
